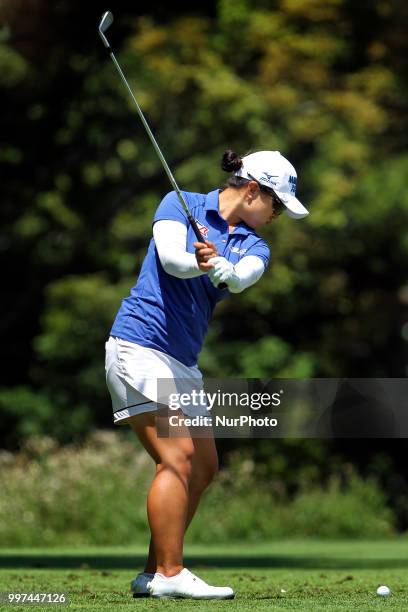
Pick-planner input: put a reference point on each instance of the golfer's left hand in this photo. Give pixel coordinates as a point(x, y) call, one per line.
point(204, 252)
point(222, 271)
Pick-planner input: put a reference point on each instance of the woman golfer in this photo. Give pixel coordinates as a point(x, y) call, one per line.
point(159, 331)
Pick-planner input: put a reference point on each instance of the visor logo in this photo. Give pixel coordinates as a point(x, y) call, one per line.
point(292, 183)
point(269, 177)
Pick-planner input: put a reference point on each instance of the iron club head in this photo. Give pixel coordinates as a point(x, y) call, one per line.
point(106, 21)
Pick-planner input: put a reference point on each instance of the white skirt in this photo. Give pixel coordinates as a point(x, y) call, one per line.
point(140, 378)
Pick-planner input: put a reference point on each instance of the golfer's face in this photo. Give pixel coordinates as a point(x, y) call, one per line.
point(261, 211)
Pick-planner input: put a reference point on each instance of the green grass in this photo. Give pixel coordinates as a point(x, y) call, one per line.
point(290, 575)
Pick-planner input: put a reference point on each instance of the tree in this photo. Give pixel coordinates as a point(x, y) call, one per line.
point(324, 82)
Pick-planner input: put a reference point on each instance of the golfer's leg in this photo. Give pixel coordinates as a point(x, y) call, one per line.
point(204, 468)
point(167, 502)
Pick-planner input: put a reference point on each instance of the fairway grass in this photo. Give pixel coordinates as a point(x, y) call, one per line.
point(290, 575)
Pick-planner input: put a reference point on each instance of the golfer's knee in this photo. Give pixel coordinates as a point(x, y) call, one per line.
point(204, 474)
point(180, 462)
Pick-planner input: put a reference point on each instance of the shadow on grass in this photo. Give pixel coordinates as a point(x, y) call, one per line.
point(110, 561)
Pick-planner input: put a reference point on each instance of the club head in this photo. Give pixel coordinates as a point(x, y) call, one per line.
point(105, 23)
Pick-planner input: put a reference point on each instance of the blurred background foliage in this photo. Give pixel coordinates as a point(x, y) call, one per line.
point(72, 495)
point(324, 82)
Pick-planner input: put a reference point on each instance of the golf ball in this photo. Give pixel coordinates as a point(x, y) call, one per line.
point(383, 591)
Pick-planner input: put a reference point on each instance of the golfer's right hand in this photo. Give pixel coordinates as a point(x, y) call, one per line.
point(204, 251)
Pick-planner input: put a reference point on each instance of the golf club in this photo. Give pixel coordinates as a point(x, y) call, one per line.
point(105, 23)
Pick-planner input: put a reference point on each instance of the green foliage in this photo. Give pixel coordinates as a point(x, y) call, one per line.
point(323, 82)
point(257, 511)
point(75, 328)
point(14, 69)
point(352, 511)
point(25, 413)
point(95, 493)
point(268, 355)
point(239, 507)
point(74, 317)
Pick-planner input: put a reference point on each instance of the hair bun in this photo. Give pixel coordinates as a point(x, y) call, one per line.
point(231, 162)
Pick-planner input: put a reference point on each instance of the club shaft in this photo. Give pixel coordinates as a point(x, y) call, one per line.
point(157, 149)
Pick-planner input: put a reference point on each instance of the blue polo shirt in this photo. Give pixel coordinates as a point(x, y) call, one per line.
point(171, 314)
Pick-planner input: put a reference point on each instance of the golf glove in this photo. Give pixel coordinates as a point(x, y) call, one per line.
point(244, 274)
point(222, 272)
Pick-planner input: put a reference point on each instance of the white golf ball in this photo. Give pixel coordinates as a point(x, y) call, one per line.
point(383, 591)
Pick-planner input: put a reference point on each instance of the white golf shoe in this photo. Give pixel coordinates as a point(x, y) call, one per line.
point(139, 585)
point(187, 586)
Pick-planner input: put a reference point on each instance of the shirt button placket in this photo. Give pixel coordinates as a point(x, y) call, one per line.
point(224, 242)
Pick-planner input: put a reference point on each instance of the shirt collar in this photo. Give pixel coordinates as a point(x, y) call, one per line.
point(211, 200)
point(211, 203)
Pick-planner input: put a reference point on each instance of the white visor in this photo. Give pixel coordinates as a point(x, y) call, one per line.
point(271, 169)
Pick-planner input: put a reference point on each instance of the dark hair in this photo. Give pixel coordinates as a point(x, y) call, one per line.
point(231, 162)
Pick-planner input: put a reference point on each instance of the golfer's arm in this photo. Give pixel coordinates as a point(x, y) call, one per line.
point(170, 238)
point(247, 272)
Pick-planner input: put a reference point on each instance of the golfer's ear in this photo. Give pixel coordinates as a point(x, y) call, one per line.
point(253, 189)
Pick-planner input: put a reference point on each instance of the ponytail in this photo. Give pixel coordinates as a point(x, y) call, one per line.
point(231, 162)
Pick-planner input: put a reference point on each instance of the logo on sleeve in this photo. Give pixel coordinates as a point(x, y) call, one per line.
point(202, 229)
